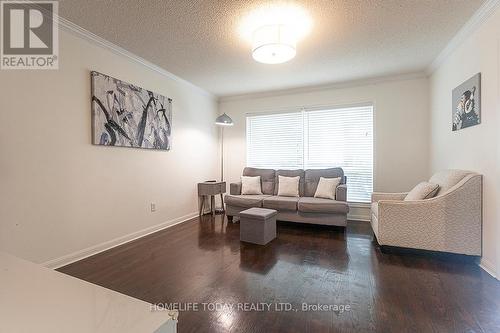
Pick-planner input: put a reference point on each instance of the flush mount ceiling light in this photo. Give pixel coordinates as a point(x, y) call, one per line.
point(274, 30)
point(274, 44)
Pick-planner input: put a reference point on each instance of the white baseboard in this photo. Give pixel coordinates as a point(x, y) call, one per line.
point(359, 212)
point(355, 217)
point(488, 267)
point(90, 251)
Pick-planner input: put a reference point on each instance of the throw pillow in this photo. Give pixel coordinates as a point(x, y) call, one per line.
point(327, 187)
point(424, 190)
point(288, 186)
point(250, 185)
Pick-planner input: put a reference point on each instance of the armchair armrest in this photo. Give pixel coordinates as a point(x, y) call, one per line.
point(377, 196)
point(235, 188)
point(341, 193)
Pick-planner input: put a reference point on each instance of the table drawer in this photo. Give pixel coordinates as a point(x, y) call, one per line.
point(211, 188)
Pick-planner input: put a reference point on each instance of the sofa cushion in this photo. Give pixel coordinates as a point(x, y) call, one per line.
point(251, 185)
point(422, 191)
point(290, 173)
point(375, 209)
point(327, 188)
point(245, 200)
point(266, 177)
point(288, 186)
point(447, 179)
point(319, 205)
point(312, 176)
point(281, 203)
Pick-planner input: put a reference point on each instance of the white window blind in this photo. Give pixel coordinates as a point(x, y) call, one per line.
point(275, 141)
point(342, 137)
point(314, 139)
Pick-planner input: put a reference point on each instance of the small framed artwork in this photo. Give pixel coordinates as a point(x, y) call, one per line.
point(466, 104)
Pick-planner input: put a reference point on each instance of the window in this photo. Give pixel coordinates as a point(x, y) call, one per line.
point(275, 141)
point(315, 139)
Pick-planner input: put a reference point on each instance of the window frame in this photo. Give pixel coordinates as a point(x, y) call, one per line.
point(319, 107)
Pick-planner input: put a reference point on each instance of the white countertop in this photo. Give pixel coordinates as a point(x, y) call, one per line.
point(36, 299)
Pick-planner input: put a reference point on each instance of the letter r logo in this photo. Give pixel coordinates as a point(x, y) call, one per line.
point(27, 28)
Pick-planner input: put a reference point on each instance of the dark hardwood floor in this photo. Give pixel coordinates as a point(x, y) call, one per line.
point(203, 261)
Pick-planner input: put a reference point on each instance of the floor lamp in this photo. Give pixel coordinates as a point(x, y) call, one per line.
point(223, 120)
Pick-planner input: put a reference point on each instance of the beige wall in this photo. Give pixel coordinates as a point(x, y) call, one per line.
point(401, 126)
point(475, 148)
point(58, 193)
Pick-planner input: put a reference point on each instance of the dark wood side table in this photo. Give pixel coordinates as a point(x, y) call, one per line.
point(211, 189)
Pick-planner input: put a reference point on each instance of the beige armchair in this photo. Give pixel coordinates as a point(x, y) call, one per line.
point(449, 222)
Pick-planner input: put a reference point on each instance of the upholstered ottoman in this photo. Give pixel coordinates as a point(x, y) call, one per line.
point(258, 225)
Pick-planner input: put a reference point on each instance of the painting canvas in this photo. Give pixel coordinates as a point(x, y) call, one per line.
point(126, 115)
point(466, 107)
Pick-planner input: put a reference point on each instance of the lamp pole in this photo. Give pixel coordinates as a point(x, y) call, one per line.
point(222, 154)
point(223, 120)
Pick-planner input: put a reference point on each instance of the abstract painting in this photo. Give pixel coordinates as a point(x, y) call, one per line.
point(466, 104)
point(126, 115)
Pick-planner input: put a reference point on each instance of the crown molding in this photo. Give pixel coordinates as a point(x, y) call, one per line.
point(479, 17)
point(339, 85)
point(78, 31)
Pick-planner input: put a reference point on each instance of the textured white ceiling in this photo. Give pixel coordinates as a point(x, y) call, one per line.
point(198, 40)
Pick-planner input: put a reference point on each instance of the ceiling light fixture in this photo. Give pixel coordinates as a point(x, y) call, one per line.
point(274, 44)
point(274, 30)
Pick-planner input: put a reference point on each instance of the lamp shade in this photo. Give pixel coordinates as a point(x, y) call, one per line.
point(224, 120)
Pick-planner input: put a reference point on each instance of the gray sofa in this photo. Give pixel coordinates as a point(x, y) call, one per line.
point(303, 209)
